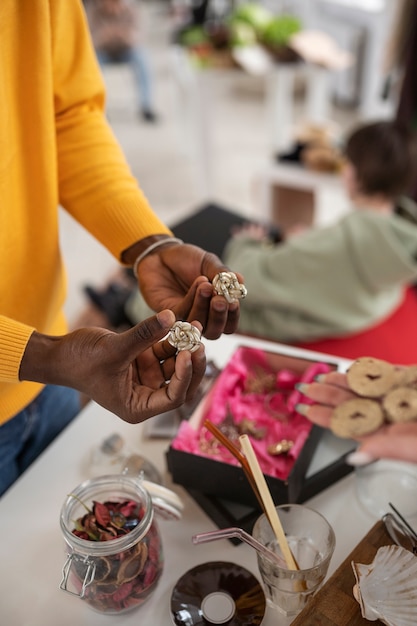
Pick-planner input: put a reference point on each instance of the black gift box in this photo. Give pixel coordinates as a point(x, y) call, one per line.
point(210, 480)
point(228, 481)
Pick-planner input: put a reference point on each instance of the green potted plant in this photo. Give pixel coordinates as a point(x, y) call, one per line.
point(277, 34)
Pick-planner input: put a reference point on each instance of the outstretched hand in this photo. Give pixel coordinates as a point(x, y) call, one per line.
point(391, 441)
point(179, 278)
point(132, 374)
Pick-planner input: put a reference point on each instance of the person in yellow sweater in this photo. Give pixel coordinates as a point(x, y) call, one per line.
point(57, 149)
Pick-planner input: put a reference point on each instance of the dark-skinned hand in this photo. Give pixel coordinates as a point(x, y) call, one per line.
point(132, 374)
point(178, 277)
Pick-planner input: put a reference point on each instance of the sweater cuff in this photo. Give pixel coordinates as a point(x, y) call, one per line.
point(14, 337)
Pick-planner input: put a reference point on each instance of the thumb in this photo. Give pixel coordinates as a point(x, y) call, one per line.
point(146, 333)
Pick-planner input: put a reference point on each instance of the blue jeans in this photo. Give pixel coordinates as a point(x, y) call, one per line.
point(137, 59)
point(28, 433)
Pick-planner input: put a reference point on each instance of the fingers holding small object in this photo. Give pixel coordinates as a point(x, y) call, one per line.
point(186, 369)
point(226, 284)
point(334, 378)
point(215, 304)
point(181, 336)
point(318, 413)
point(325, 393)
point(384, 393)
point(184, 336)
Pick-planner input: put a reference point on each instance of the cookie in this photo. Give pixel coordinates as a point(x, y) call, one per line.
point(400, 404)
point(356, 418)
point(406, 376)
point(371, 378)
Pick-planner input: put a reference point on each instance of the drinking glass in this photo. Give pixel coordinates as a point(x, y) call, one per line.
point(311, 540)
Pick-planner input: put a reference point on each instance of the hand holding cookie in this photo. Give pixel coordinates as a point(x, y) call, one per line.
point(386, 394)
point(375, 402)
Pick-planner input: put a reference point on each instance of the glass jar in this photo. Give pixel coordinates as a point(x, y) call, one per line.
point(118, 574)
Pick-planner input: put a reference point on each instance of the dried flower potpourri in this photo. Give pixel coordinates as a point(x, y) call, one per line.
point(108, 520)
point(116, 553)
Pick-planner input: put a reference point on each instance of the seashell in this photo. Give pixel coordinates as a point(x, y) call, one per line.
point(386, 589)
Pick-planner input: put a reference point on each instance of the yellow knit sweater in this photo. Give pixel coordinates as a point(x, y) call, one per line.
point(56, 148)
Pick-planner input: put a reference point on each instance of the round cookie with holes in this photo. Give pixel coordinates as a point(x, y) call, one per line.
point(371, 378)
point(401, 404)
point(356, 418)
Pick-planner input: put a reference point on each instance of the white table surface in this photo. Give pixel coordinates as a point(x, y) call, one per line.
point(33, 550)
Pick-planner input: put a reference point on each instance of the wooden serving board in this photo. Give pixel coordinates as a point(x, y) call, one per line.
point(334, 604)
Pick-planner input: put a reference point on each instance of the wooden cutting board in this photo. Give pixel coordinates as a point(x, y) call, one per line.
point(334, 604)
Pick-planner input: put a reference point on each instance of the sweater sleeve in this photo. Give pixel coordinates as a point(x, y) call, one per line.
point(328, 281)
point(293, 290)
point(95, 183)
point(14, 337)
point(284, 274)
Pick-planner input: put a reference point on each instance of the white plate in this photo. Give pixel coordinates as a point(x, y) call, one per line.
point(382, 482)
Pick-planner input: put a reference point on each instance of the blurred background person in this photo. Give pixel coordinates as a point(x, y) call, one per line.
point(347, 277)
point(115, 27)
point(326, 282)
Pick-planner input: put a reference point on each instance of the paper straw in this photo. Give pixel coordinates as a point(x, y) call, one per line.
point(234, 450)
point(268, 503)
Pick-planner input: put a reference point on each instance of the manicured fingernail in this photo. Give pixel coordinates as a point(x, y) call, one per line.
point(302, 408)
point(320, 378)
point(359, 458)
point(303, 387)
